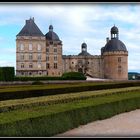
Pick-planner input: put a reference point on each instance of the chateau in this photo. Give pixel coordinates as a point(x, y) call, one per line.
point(41, 55)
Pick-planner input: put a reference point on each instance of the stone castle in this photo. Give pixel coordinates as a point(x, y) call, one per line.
point(41, 55)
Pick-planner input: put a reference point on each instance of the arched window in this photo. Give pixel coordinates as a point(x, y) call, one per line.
point(30, 73)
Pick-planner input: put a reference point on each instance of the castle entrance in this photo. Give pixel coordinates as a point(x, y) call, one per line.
point(80, 70)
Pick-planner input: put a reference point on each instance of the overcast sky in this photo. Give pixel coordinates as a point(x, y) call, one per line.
point(74, 23)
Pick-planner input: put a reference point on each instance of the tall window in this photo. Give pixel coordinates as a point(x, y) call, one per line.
point(22, 65)
point(21, 46)
point(30, 56)
point(47, 65)
point(47, 58)
point(55, 50)
point(119, 59)
point(39, 47)
point(55, 58)
point(119, 69)
point(55, 65)
point(30, 47)
point(47, 50)
point(22, 57)
point(39, 57)
point(39, 65)
point(30, 65)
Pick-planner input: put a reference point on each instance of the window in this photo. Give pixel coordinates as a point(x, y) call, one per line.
point(39, 65)
point(22, 57)
point(30, 56)
point(22, 73)
point(30, 65)
point(47, 50)
point(47, 58)
point(55, 65)
point(40, 73)
point(47, 65)
point(39, 57)
point(51, 42)
point(21, 47)
point(30, 73)
point(39, 47)
point(55, 58)
point(119, 69)
point(55, 50)
point(30, 47)
point(119, 59)
point(22, 65)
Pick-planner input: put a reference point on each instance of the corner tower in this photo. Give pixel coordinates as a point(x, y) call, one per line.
point(115, 57)
point(30, 50)
point(54, 63)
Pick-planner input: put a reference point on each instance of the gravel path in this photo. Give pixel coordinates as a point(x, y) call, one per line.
point(122, 125)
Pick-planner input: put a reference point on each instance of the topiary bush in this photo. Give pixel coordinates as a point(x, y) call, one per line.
point(73, 76)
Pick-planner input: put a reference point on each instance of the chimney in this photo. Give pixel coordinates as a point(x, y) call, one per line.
point(107, 39)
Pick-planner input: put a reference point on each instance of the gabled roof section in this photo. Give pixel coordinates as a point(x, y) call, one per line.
point(30, 29)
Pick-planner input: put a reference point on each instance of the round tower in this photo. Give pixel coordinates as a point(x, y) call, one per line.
point(115, 57)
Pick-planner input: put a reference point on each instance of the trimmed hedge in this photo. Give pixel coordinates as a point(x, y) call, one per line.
point(7, 73)
point(19, 94)
point(6, 106)
point(73, 76)
point(65, 76)
point(50, 125)
point(36, 78)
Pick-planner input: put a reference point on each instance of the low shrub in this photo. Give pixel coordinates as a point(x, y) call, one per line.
point(36, 78)
point(37, 83)
point(73, 76)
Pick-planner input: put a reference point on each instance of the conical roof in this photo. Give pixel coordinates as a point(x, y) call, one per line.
point(30, 29)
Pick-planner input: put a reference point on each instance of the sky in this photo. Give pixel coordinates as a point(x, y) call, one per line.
point(74, 23)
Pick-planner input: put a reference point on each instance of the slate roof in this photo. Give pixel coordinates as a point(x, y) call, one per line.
point(114, 45)
point(84, 53)
point(30, 29)
point(51, 35)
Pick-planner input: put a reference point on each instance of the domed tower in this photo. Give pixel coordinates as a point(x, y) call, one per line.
point(84, 50)
point(54, 64)
point(115, 57)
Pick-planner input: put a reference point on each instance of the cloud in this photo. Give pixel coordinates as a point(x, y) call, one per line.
point(77, 23)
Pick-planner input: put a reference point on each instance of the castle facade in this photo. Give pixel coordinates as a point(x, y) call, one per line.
point(41, 55)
